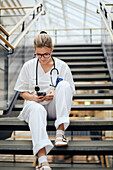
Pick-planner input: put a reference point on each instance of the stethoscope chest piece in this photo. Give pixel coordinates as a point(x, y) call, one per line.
point(37, 88)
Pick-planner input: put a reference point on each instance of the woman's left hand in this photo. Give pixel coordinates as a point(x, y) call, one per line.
point(50, 95)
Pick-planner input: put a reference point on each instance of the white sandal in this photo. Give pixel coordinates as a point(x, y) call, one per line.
point(61, 140)
point(40, 166)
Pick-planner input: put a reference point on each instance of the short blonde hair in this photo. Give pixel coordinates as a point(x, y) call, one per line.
point(43, 40)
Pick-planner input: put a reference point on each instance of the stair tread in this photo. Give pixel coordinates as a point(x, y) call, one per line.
point(98, 96)
point(78, 45)
point(92, 69)
point(94, 86)
point(87, 63)
point(91, 76)
point(78, 106)
point(88, 123)
point(77, 53)
point(93, 105)
point(78, 147)
point(80, 58)
point(57, 166)
point(70, 48)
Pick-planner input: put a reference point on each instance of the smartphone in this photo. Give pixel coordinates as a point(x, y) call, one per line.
point(41, 93)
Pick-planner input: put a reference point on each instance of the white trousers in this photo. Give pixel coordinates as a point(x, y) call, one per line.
point(58, 108)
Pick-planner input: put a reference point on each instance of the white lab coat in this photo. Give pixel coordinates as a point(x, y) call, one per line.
point(35, 114)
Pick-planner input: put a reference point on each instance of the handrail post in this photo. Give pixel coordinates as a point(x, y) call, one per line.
point(91, 36)
point(7, 38)
point(23, 26)
point(6, 79)
point(55, 36)
point(41, 7)
point(37, 10)
point(100, 5)
point(105, 13)
point(33, 14)
point(112, 24)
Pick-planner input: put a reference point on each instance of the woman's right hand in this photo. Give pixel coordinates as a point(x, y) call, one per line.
point(32, 97)
point(37, 98)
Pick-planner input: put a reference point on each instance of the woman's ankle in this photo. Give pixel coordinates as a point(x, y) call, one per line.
point(42, 152)
point(61, 127)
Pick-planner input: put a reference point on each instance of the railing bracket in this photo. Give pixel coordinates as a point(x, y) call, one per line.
point(23, 26)
point(11, 52)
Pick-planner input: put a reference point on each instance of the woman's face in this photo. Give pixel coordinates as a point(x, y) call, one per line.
point(43, 54)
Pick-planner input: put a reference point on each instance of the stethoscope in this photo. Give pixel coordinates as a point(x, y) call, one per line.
point(37, 88)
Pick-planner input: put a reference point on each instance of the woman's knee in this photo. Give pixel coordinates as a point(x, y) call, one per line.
point(64, 85)
point(37, 110)
point(64, 89)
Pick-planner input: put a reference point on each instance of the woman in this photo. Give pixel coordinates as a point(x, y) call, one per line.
point(45, 73)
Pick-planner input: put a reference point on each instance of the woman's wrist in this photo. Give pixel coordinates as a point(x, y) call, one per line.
point(27, 96)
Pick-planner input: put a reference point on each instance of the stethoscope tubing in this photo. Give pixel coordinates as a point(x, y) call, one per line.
point(54, 68)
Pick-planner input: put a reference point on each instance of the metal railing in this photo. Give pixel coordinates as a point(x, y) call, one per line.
point(22, 21)
point(11, 62)
point(72, 36)
point(107, 32)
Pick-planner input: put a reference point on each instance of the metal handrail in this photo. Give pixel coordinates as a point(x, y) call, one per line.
point(106, 24)
point(3, 30)
point(23, 34)
point(20, 7)
point(39, 5)
point(23, 19)
point(27, 29)
point(111, 16)
point(109, 4)
point(6, 42)
point(70, 29)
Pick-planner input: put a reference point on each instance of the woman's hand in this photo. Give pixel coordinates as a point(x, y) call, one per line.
point(37, 98)
point(32, 97)
point(50, 95)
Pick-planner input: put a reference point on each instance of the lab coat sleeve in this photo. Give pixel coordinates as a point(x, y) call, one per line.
point(22, 83)
point(69, 78)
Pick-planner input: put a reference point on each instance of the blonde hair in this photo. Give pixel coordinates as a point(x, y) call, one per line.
point(43, 40)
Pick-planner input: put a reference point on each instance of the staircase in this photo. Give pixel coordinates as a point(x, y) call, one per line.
point(90, 73)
